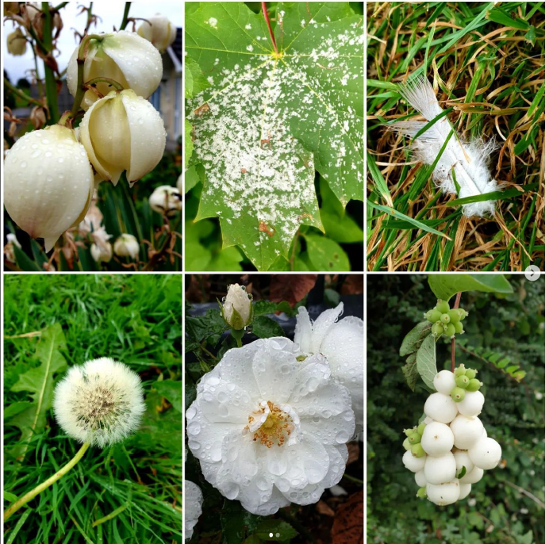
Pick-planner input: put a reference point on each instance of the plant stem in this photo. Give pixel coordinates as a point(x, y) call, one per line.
point(352, 479)
point(110, 516)
point(453, 339)
point(50, 80)
point(266, 15)
point(20, 93)
point(125, 16)
point(43, 486)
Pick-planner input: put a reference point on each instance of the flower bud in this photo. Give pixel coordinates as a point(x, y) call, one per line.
point(16, 42)
point(37, 117)
point(102, 253)
point(122, 56)
point(123, 132)
point(166, 200)
point(180, 184)
point(159, 31)
point(127, 246)
point(9, 250)
point(237, 310)
point(48, 183)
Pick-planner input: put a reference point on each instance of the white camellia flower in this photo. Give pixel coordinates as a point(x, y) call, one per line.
point(270, 429)
point(166, 200)
point(341, 342)
point(159, 31)
point(99, 402)
point(48, 183)
point(123, 56)
point(102, 252)
point(237, 307)
point(193, 507)
point(127, 246)
point(16, 42)
point(123, 132)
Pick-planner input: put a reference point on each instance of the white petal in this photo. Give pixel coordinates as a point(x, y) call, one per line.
point(236, 368)
point(276, 501)
point(303, 330)
point(329, 400)
point(337, 429)
point(225, 402)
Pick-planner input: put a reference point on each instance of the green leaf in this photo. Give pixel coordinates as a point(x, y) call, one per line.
point(425, 361)
point(195, 82)
point(462, 473)
point(39, 383)
point(501, 17)
point(444, 286)
point(16, 408)
point(325, 254)
point(265, 327)
point(237, 523)
point(410, 371)
point(24, 262)
point(172, 391)
point(203, 328)
point(270, 120)
point(275, 530)
point(413, 339)
point(188, 147)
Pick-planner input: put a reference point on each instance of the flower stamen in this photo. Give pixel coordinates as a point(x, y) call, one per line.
point(276, 429)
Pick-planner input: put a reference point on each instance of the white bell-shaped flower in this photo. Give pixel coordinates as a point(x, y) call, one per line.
point(123, 56)
point(159, 31)
point(127, 246)
point(99, 402)
point(123, 132)
point(166, 200)
point(342, 344)
point(193, 507)
point(270, 429)
point(102, 252)
point(16, 42)
point(48, 183)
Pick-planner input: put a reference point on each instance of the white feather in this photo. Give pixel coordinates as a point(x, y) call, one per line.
point(467, 161)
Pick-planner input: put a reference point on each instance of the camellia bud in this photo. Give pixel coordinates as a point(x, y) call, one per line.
point(16, 42)
point(48, 183)
point(166, 200)
point(127, 246)
point(102, 253)
point(159, 31)
point(123, 56)
point(237, 309)
point(123, 132)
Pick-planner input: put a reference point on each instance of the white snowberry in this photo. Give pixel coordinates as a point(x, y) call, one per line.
point(472, 477)
point(443, 494)
point(465, 490)
point(49, 183)
point(472, 404)
point(462, 460)
point(440, 407)
point(413, 463)
point(123, 132)
point(466, 430)
point(439, 470)
point(486, 453)
point(444, 382)
point(437, 439)
point(125, 57)
point(420, 478)
point(269, 429)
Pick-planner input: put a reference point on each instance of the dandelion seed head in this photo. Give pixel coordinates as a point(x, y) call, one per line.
point(99, 402)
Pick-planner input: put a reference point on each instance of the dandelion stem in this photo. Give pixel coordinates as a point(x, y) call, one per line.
point(43, 486)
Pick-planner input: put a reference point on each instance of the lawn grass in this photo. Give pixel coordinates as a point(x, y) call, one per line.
point(487, 64)
point(136, 484)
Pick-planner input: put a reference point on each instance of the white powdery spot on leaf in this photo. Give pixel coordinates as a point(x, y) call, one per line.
point(212, 22)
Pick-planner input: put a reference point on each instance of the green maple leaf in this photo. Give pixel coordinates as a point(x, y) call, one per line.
point(269, 120)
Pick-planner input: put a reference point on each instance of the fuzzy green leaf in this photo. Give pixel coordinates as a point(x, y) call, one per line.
point(444, 286)
point(425, 361)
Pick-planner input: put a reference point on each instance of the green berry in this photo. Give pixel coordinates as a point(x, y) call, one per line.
point(445, 318)
point(418, 451)
point(454, 316)
point(457, 394)
point(463, 313)
point(421, 493)
point(442, 306)
point(473, 385)
point(471, 373)
point(450, 331)
point(407, 444)
point(421, 428)
point(414, 438)
point(437, 330)
point(433, 315)
point(460, 371)
point(458, 327)
point(462, 381)
point(409, 432)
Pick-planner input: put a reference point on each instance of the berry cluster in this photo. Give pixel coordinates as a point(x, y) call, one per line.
point(445, 320)
point(450, 449)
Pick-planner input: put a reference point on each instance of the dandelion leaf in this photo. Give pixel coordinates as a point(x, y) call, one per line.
point(268, 121)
